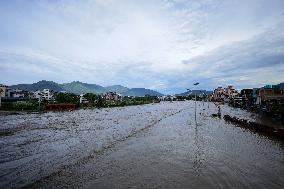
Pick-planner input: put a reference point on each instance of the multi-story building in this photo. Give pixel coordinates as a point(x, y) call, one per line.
point(269, 92)
point(36, 94)
point(219, 94)
point(45, 94)
point(112, 96)
point(17, 93)
point(231, 92)
point(4, 91)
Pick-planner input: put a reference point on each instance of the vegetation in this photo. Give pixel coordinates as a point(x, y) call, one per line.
point(96, 101)
point(132, 101)
point(91, 98)
point(67, 98)
point(20, 106)
point(92, 101)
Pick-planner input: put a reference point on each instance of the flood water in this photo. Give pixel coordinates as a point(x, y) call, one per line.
point(148, 146)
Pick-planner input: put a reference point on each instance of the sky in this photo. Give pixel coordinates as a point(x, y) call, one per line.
point(165, 45)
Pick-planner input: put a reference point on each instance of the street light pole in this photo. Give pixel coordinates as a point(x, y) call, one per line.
point(195, 104)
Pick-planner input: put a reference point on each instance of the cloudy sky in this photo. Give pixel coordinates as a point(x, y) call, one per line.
point(165, 45)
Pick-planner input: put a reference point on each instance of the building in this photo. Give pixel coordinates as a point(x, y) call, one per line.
point(112, 96)
point(17, 93)
point(247, 93)
point(168, 98)
point(231, 92)
point(36, 94)
point(219, 94)
point(45, 94)
point(270, 92)
point(83, 99)
point(248, 98)
point(5, 91)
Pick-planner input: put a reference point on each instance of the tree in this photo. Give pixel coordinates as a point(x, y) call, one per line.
point(100, 102)
point(92, 98)
point(67, 98)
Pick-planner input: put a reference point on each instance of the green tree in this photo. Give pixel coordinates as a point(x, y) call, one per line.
point(92, 98)
point(67, 98)
point(100, 102)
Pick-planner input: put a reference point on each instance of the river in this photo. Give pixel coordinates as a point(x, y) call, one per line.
point(147, 146)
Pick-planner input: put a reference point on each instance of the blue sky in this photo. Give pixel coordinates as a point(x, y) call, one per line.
point(165, 45)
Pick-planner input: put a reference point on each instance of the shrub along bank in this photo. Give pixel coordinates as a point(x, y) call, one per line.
point(91, 101)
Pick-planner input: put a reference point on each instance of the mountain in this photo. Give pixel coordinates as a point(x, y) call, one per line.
point(141, 92)
point(39, 86)
point(193, 92)
point(78, 87)
point(117, 88)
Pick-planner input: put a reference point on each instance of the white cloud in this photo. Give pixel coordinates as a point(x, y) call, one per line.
point(135, 43)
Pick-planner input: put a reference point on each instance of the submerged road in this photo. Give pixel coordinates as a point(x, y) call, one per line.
point(149, 146)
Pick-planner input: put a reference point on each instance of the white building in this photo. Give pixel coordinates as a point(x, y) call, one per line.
point(83, 99)
point(36, 94)
point(45, 94)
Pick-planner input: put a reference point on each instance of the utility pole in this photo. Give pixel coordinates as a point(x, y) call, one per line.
point(39, 101)
point(195, 104)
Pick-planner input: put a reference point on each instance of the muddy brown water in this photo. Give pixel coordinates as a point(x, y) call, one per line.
point(149, 146)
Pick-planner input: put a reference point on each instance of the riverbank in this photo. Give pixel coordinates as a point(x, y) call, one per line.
point(8, 108)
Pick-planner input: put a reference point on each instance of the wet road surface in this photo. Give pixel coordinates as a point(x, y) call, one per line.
point(149, 146)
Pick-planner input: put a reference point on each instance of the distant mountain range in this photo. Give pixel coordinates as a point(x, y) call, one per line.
point(79, 88)
point(193, 92)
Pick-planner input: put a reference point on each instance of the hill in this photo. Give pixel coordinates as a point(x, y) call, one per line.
point(141, 92)
point(78, 87)
point(117, 88)
point(39, 86)
point(193, 92)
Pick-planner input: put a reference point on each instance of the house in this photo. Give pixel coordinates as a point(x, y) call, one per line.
point(112, 96)
point(269, 91)
point(45, 94)
point(36, 94)
point(17, 93)
point(219, 94)
point(231, 92)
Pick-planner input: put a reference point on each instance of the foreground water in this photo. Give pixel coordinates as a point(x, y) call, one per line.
point(149, 146)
